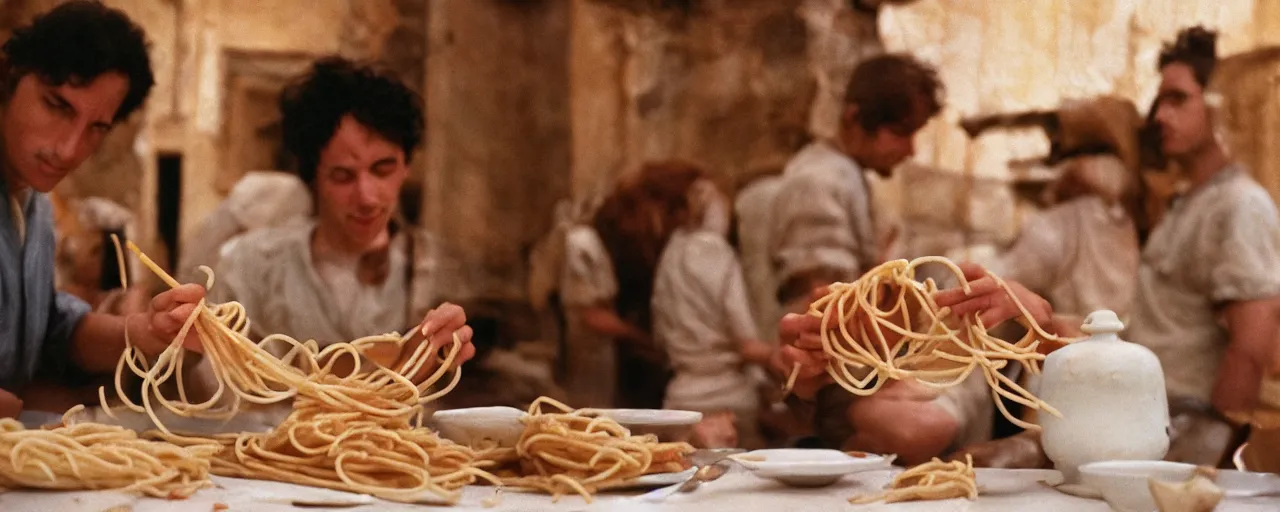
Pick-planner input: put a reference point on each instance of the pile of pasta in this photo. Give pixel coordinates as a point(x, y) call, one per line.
point(359, 431)
point(95, 457)
point(886, 326)
point(582, 451)
point(933, 480)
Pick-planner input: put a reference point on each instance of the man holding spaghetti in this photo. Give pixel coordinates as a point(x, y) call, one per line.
point(823, 232)
point(355, 268)
point(65, 81)
point(1206, 301)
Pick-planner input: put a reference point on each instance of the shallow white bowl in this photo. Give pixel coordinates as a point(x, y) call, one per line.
point(667, 424)
point(1123, 483)
point(480, 426)
point(801, 467)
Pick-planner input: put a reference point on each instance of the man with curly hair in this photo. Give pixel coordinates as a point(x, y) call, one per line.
point(65, 81)
point(349, 271)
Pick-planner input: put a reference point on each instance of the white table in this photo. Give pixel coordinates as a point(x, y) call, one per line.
point(735, 492)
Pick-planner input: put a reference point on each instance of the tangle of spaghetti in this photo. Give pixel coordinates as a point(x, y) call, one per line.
point(94, 457)
point(360, 431)
point(933, 480)
point(886, 325)
point(582, 451)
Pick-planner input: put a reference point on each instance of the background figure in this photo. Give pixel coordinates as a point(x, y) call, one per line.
point(260, 200)
point(588, 293)
point(635, 223)
point(702, 318)
point(1081, 253)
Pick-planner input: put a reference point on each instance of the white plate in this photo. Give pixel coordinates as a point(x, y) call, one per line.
point(652, 417)
point(654, 480)
point(1244, 484)
point(808, 467)
point(478, 426)
point(1013, 481)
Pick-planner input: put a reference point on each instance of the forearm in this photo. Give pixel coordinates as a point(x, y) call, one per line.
point(804, 283)
point(1238, 383)
point(606, 322)
point(1249, 355)
point(915, 430)
point(99, 340)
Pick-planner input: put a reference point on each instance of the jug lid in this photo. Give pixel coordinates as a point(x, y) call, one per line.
point(1103, 321)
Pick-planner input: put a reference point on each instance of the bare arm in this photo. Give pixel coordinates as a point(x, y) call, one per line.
point(916, 430)
point(1253, 329)
point(606, 321)
point(99, 340)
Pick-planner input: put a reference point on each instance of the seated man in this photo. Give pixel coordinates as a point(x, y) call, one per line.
point(353, 270)
point(65, 81)
point(1207, 293)
point(822, 232)
point(922, 427)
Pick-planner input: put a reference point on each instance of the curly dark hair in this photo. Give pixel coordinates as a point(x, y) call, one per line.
point(74, 44)
point(1196, 47)
point(894, 90)
point(313, 106)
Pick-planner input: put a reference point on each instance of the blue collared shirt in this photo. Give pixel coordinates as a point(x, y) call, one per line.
point(36, 322)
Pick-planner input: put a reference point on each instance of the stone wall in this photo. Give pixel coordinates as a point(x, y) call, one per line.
point(1009, 55)
point(730, 84)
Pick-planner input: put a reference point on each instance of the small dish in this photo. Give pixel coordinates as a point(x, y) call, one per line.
point(480, 426)
point(653, 480)
point(1123, 483)
point(1012, 481)
point(800, 467)
point(666, 424)
point(1245, 484)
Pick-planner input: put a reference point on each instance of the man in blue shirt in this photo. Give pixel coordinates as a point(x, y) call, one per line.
point(65, 80)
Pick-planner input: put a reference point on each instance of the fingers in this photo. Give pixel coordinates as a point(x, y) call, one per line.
point(167, 323)
point(447, 318)
point(957, 295)
point(972, 271)
point(185, 294)
point(818, 293)
point(811, 364)
point(794, 326)
point(445, 338)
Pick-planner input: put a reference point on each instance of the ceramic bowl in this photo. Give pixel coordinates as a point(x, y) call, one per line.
point(1123, 483)
point(668, 425)
point(800, 467)
point(480, 426)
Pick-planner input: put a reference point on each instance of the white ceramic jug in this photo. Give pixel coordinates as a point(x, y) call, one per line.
point(1112, 398)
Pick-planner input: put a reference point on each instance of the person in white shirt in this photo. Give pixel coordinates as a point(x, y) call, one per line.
point(823, 233)
point(353, 270)
point(702, 318)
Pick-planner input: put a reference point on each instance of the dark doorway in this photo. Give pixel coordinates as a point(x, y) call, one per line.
point(169, 203)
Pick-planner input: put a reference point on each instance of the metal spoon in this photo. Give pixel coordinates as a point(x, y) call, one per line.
point(703, 474)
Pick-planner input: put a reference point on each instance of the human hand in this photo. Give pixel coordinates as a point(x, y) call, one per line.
point(990, 302)
point(153, 331)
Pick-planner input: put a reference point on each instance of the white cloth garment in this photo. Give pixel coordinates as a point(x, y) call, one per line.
point(754, 209)
point(1081, 255)
point(588, 281)
point(822, 216)
point(701, 317)
point(1220, 243)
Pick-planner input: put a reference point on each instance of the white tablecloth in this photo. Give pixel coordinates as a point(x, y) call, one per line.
point(735, 492)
